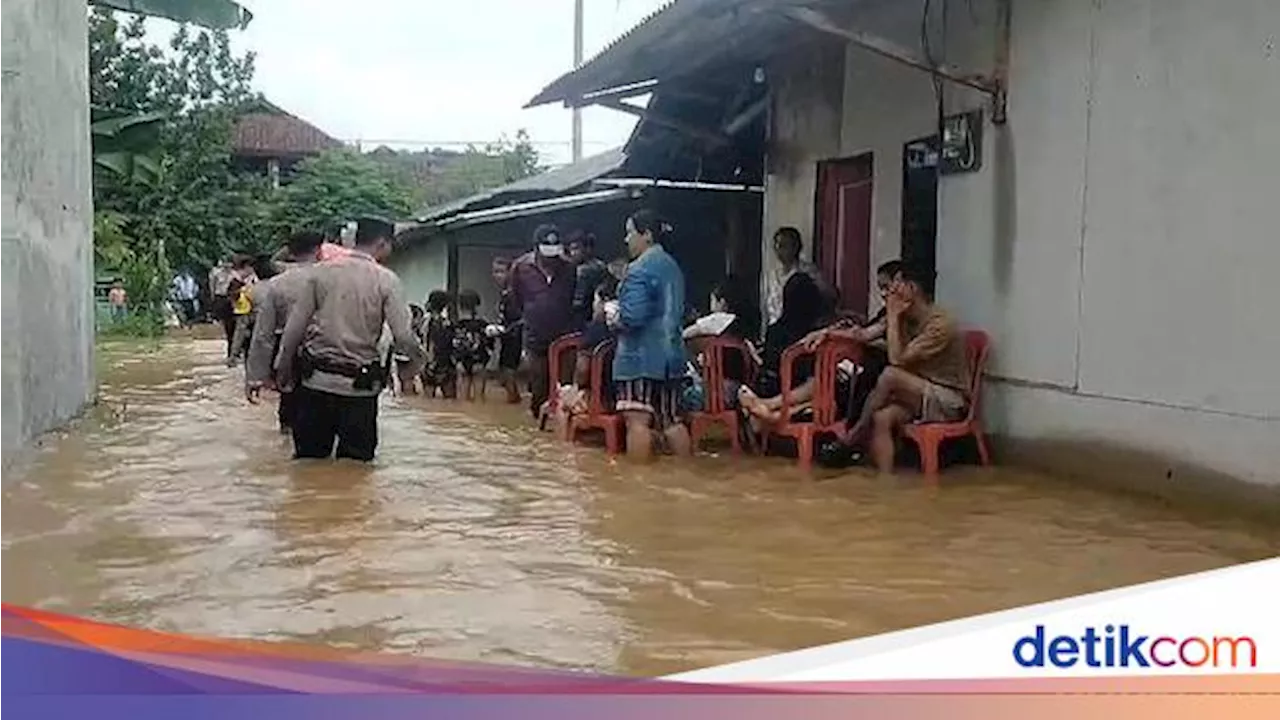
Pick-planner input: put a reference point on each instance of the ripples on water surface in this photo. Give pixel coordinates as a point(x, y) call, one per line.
point(475, 537)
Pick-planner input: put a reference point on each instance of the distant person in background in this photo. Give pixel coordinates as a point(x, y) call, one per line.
point(119, 301)
point(472, 348)
point(241, 292)
point(542, 283)
point(787, 245)
point(404, 365)
point(591, 270)
point(185, 293)
point(220, 279)
point(441, 372)
point(507, 329)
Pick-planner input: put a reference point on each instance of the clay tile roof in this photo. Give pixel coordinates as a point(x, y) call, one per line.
point(274, 134)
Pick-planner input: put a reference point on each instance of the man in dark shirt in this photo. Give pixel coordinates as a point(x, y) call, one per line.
point(591, 272)
point(509, 337)
point(542, 283)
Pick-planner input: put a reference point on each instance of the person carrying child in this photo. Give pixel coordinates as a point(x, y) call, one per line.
point(441, 372)
point(472, 346)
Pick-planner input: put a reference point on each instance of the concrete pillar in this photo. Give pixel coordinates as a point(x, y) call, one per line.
point(48, 317)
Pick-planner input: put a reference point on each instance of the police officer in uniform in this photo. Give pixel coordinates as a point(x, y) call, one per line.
point(272, 302)
point(329, 352)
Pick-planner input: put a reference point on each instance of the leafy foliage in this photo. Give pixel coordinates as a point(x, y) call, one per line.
point(341, 184)
point(162, 149)
point(439, 176)
point(217, 14)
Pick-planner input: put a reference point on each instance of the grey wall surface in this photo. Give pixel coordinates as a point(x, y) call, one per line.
point(422, 268)
point(47, 218)
point(1119, 242)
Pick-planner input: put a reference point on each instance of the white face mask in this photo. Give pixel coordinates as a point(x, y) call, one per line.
point(550, 250)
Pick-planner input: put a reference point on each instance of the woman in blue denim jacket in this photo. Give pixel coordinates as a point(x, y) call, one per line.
point(649, 362)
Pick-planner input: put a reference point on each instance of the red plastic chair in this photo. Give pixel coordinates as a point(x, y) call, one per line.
point(717, 410)
point(599, 415)
point(563, 345)
point(930, 436)
point(826, 405)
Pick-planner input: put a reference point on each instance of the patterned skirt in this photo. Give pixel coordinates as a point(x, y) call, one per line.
point(663, 399)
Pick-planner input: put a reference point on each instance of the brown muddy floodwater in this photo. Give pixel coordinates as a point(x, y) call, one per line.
point(174, 506)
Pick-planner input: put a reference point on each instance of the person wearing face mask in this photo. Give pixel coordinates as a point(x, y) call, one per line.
point(541, 286)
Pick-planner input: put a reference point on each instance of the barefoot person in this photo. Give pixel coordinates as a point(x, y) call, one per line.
point(649, 364)
point(927, 377)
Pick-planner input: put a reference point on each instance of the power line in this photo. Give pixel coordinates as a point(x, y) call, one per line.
point(479, 143)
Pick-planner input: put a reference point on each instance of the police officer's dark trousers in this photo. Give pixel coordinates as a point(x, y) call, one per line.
point(320, 419)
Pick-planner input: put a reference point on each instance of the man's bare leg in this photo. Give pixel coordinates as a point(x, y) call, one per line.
point(885, 422)
point(639, 437)
point(895, 386)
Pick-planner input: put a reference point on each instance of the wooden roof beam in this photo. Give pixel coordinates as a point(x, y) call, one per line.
point(709, 136)
point(891, 50)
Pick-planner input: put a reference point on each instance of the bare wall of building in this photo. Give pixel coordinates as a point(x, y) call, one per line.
point(422, 267)
point(47, 218)
point(1118, 242)
point(804, 128)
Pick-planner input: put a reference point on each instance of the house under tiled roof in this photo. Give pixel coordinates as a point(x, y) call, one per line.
point(278, 134)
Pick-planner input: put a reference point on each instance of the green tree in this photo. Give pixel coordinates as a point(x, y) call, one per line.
point(188, 207)
point(439, 176)
point(338, 185)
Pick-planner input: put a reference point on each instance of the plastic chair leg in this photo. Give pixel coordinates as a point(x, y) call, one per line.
point(697, 427)
point(804, 443)
point(929, 446)
point(731, 425)
point(611, 444)
point(984, 453)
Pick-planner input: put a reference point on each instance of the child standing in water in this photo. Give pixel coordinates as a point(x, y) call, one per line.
point(472, 348)
point(441, 372)
point(408, 381)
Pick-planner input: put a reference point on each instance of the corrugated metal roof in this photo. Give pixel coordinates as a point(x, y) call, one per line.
point(551, 182)
point(638, 54)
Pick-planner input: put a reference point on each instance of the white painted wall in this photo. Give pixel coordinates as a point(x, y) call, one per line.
point(47, 218)
point(1119, 242)
point(422, 267)
point(804, 128)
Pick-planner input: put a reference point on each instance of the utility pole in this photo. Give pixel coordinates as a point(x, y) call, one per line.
point(577, 63)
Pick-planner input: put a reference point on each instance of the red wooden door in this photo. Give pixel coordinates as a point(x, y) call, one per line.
point(844, 228)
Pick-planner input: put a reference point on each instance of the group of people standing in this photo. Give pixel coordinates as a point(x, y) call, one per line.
point(326, 335)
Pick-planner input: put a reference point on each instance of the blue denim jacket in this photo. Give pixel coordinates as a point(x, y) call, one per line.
point(650, 319)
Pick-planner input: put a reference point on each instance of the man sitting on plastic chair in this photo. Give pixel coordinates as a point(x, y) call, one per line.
point(927, 377)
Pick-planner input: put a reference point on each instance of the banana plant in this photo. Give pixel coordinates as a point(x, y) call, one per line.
point(124, 144)
point(213, 14)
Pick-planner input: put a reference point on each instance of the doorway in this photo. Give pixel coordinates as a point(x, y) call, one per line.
point(844, 228)
point(920, 204)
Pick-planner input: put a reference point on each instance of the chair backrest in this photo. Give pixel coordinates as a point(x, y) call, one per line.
point(827, 358)
point(601, 373)
point(827, 401)
point(976, 346)
point(562, 346)
point(714, 351)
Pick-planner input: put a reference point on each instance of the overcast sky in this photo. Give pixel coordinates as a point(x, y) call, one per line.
point(431, 72)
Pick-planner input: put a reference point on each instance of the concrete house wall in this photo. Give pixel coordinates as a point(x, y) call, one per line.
point(1119, 241)
point(422, 267)
point(47, 218)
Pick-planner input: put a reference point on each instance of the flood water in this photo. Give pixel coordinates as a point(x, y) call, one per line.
point(174, 506)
